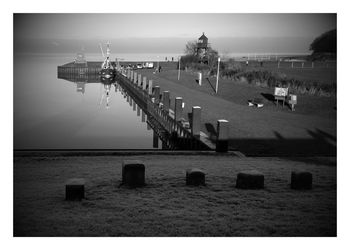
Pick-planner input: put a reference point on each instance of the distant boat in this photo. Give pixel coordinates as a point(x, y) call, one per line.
point(107, 69)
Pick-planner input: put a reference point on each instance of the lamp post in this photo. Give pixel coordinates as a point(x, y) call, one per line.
point(158, 63)
point(178, 74)
point(217, 77)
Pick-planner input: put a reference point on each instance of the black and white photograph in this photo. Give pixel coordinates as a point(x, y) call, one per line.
point(174, 124)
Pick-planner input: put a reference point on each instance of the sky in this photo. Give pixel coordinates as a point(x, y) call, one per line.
point(160, 33)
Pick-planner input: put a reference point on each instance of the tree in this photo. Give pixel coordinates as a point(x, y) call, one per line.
point(325, 43)
point(191, 48)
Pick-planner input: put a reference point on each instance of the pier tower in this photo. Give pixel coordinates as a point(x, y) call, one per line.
point(202, 48)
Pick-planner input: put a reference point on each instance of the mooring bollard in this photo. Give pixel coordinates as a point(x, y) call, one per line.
point(144, 83)
point(195, 177)
point(150, 83)
point(157, 94)
point(166, 100)
point(222, 136)
point(196, 121)
point(133, 173)
point(301, 180)
point(178, 108)
point(250, 180)
point(139, 83)
point(75, 189)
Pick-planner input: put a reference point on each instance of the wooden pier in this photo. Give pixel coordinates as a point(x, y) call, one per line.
point(170, 126)
point(160, 117)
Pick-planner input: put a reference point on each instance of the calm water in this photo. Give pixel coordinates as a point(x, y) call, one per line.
point(52, 113)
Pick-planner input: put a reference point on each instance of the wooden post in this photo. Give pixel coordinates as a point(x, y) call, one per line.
point(156, 93)
point(223, 135)
point(155, 139)
point(144, 83)
point(178, 108)
point(75, 189)
point(143, 116)
point(138, 110)
point(166, 100)
point(196, 121)
point(135, 78)
point(150, 83)
point(139, 80)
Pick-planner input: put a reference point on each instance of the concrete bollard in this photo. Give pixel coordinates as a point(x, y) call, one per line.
point(200, 79)
point(132, 75)
point(222, 136)
point(166, 100)
point(133, 173)
point(134, 106)
point(75, 189)
point(139, 83)
point(128, 74)
point(195, 177)
point(196, 121)
point(250, 180)
point(144, 83)
point(157, 94)
point(301, 180)
point(178, 108)
point(150, 83)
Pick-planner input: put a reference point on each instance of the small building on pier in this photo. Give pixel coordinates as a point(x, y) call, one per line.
point(202, 49)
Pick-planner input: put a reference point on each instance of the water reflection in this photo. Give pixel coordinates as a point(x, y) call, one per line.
point(108, 86)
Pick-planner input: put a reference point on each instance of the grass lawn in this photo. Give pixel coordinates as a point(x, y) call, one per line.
point(320, 73)
point(268, 131)
point(166, 206)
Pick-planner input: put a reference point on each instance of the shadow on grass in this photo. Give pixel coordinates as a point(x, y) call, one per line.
point(212, 131)
point(321, 144)
point(268, 97)
point(211, 85)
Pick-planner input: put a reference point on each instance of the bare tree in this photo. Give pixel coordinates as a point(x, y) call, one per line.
point(191, 48)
